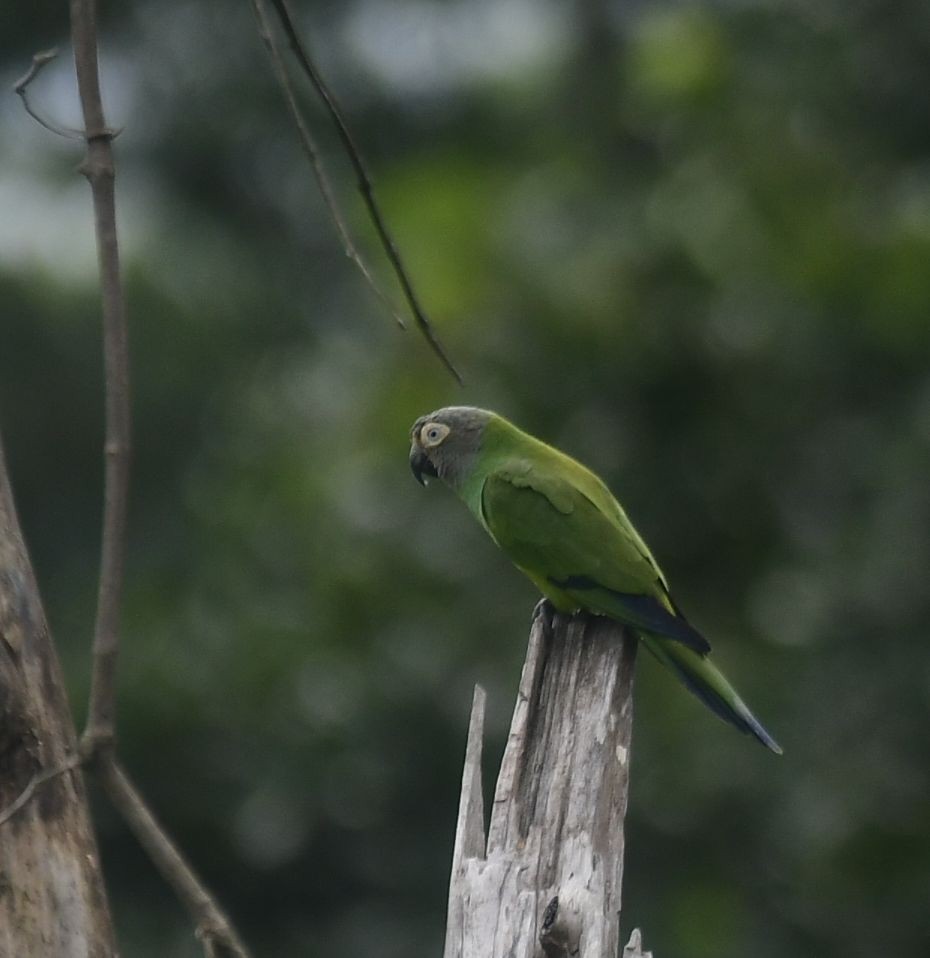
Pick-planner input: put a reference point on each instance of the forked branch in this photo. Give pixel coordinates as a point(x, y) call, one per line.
point(98, 742)
point(40, 61)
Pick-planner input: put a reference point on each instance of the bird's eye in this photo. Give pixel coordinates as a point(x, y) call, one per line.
point(433, 433)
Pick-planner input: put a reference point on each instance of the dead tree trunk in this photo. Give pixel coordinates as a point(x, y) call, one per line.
point(52, 899)
point(546, 879)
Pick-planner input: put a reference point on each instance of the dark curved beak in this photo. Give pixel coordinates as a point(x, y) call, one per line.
point(420, 465)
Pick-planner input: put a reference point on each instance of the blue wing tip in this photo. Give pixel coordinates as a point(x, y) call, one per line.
point(641, 611)
point(767, 740)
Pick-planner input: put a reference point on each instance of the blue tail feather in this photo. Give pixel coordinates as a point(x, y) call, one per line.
point(736, 714)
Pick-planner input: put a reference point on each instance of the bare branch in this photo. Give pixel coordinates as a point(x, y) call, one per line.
point(220, 939)
point(99, 170)
point(34, 783)
point(39, 61)
point(97, 745)
point(316, 162)
point(364, 185)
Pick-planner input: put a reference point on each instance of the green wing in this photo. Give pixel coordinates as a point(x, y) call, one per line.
point(574, 547)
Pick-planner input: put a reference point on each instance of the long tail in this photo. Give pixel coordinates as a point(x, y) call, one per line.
point(709, 684)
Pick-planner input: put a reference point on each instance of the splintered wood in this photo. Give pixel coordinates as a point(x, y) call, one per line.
point(545, 880)
point(52, 900)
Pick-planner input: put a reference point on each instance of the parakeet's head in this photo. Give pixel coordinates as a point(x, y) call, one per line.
point(444, 443)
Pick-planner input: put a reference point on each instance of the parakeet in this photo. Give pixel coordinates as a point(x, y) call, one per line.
point(560, 525)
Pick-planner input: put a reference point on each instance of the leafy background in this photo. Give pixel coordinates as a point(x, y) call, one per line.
point(687, 242)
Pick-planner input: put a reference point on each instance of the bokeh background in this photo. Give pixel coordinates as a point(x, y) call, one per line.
point(687, 242)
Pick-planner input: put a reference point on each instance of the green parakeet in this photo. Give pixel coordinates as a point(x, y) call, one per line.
point(559, 524)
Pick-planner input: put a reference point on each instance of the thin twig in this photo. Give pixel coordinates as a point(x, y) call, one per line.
point(99, 170)
point(364, 184)
point(34, 783)
point(98, 741)
point(214, 929)
point(312, 152)
point(39, 61)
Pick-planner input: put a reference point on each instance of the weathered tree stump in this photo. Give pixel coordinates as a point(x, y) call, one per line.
point(545, 881)
point(52, 899)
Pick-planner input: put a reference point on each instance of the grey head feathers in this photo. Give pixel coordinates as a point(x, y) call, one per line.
point(445, 443)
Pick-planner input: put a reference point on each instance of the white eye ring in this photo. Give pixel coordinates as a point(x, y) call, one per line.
point(433, 433)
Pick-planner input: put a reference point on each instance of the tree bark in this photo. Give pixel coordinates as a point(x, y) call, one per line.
point(52, 898)
point(545, 880)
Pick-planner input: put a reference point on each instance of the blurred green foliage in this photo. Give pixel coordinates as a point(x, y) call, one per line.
point(690, 244)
